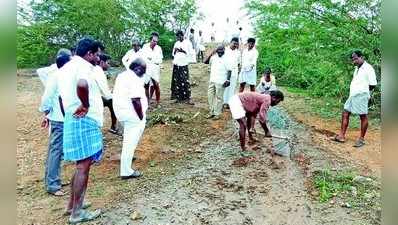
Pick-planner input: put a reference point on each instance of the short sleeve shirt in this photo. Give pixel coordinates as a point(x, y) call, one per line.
point(362, 78)
point(219, 67)
point(256, 103)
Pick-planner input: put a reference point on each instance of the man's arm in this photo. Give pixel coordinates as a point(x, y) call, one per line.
point(228, 81)
point(262, 119)
point(371, 87)
point(207, 59)
point(82, 94)
point(137, 107)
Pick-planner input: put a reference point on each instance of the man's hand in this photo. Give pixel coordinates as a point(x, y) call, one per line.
point(80, 112)
point(45, 122)
point(226, 83)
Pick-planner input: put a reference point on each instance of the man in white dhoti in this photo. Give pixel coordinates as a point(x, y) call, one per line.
point(233, 56)
point(200, 47)
point(248, 75)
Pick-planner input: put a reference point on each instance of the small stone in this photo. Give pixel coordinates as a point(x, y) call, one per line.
point(354, 191)
point(136, 215)
point(362, 179)
point(346, 205)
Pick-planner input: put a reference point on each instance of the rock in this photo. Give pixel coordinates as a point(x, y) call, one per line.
point(136, 215)
point(362, 179)
point(346, 205)
point(354, 191)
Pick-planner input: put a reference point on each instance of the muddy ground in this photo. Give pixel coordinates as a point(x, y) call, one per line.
point(194, 171)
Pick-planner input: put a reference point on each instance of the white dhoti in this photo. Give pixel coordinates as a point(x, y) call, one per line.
point(230, 90)
point(133, 130)
point(248, 77)
point(152, 72)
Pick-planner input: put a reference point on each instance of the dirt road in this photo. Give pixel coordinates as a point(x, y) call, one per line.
point(194, 171)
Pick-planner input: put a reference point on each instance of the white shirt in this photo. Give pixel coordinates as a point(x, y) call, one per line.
point(130, 56)
point(102, 82)
point(127, 86)
point(50, 101)
point(182, 59)
point(362, 78)
point(45, 72)
point(218, 69)
point(249, 59)
point(233, 57)
point(78, 68)
point(153, 58)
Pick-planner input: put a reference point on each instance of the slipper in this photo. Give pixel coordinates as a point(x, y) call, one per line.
point(113, 131)
point(85, 216)
point(359, 143)
point(85, 205)
point(336, 139)
point(57, 193)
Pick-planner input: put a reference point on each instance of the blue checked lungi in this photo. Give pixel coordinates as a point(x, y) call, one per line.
point(82, 139)
point(357, 104)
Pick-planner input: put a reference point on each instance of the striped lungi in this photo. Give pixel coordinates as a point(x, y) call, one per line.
point(82, 139)
point(357, 104)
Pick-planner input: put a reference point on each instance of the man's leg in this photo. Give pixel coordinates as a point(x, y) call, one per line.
point(53, 163)
point(113, 116)
point(156, 87)
point(79, 185)
point(132, 135)
point(364, 125)
point(252, 88)
point(345, 119)
point(242, 133)
point(242, 87)
point(250, 125)
point(146, 86)
point(211, 92)
point(218, 101)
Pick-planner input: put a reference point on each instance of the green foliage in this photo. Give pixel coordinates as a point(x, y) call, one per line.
point(308, 43)
point(61, 23)
point(330, 185)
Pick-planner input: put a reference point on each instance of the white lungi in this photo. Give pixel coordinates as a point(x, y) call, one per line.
point(236, 107)
point(133, 130)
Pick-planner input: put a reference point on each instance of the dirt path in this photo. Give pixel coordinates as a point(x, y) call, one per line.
point(194, 171)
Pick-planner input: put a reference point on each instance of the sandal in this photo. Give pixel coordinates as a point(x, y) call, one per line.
point(85, 216)
point(85, 205)
point(336, 139)
point(359, 143)
point(57, 193)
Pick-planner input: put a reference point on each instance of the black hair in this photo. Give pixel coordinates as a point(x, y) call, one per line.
point(277, 94)
point(100, 45)
point(154, 34)
point(192, 30)
point(136, 62)
point(240, 28)
point(62, 59)
point(179, 32)
point(86, 45)
point(251, 40)
point(72, 49)
point(358, 53)
point(104, 57)
point(267, 70)
point(235, 39)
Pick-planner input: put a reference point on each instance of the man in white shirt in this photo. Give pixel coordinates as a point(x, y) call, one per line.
point(363, 81)
point(132, 54)
point(233, 56)
point(248, 74)
point(153, 56)
point(200, 48)
point(53, 118)
point(82, 139)
point(45, 72)
point(130, 103)
point(180, 85)
point(220, 75)
point(102, 82)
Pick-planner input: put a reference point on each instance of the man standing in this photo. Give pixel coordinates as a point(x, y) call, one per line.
point(153, 56)
point(132, 54)
point(130, 104)
point(363, 81)
point(82, 140)
point(232, 54)
point(53, 118)
point(102, 82)
point(180, 85)
point(248, 75)
point(45, 72)
point(200, 48)
point(220, 76)
point(213, 32)
point(245, 107)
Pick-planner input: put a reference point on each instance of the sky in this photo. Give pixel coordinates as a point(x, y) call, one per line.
point(217, 11)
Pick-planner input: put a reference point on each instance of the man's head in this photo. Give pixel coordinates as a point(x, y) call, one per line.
point(136, 45)
point(234, 43)
point(276, 97)
point(180, 35)
point(64, 51)
point(240, 28)
point(250, 43)
point(192, 30)
point(200, 33)
point(138, 65)
point(89, 50)
point(212, 24)
point(104, 61)
point(154, 39)
point(220, 50)
point(267, 71)
point(357, 58)
point(62, 59)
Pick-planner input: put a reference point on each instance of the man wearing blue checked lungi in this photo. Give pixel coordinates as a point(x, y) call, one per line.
point(82, 140)
point(363, 81)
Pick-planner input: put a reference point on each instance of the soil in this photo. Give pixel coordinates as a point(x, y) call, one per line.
point(194, 171)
